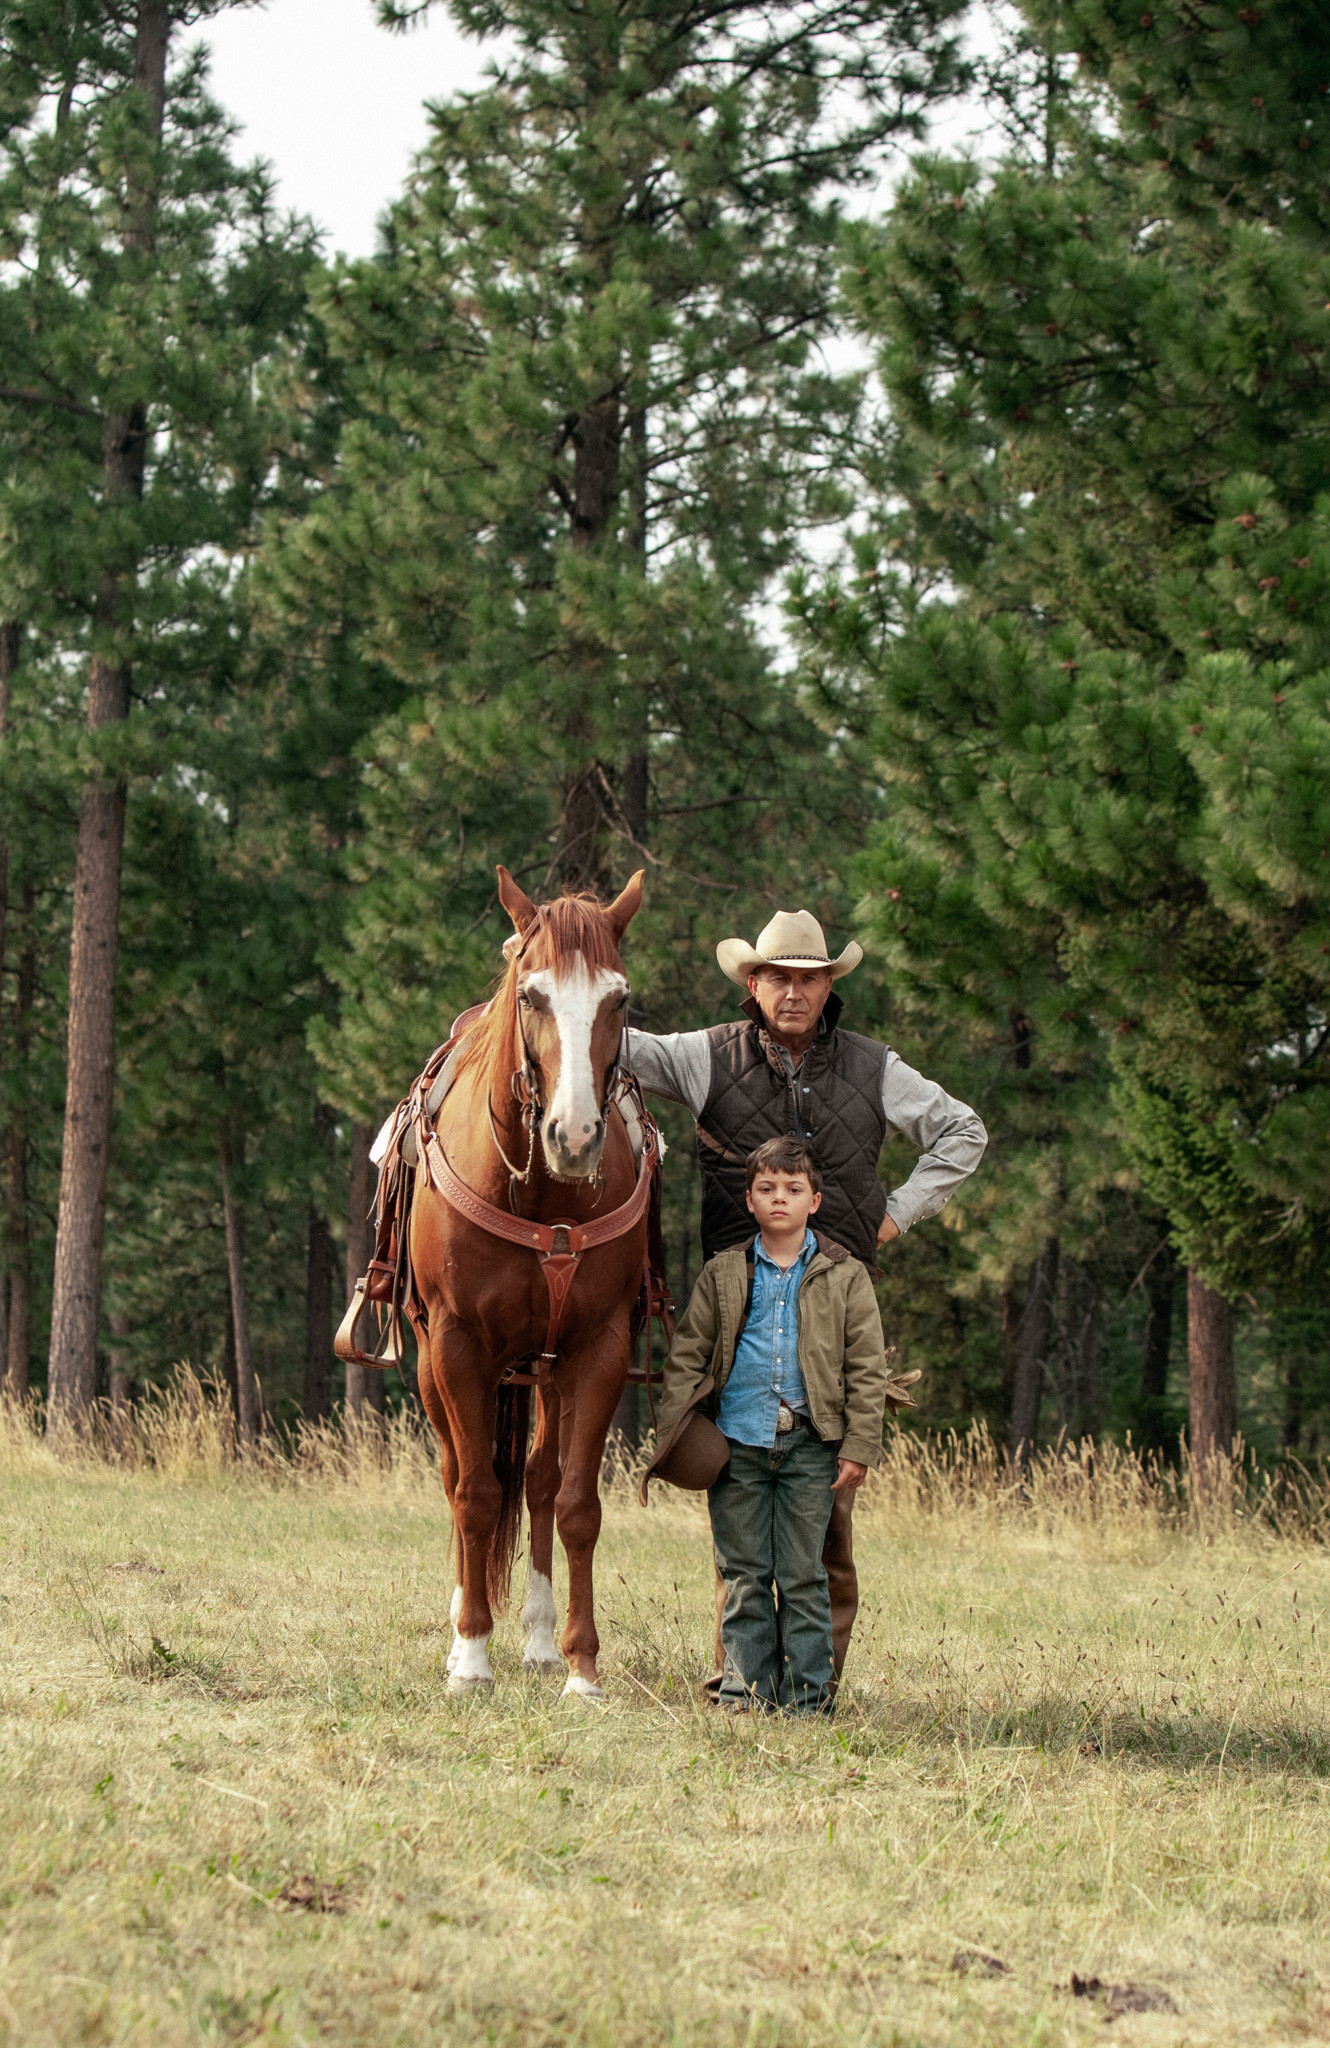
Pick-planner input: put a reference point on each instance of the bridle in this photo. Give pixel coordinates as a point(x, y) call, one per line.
point(525, 1084)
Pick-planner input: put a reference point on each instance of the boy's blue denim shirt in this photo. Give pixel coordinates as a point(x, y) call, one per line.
point(766, 1364)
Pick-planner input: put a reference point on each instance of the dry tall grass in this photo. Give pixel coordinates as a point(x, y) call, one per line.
point(1084, 1733)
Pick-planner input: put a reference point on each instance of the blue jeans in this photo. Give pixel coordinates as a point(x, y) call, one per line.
point(769, 1516)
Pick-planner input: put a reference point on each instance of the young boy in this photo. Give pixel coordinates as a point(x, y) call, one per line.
point(782, 1345)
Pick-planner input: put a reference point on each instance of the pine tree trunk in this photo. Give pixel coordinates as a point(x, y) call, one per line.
point(247, 1404)
point(1212, 1382)
point(321, 1265)
point(582, 861)
point(9, 647)
point(1092, 1385)
point(1160, 1286)
point(18, 1221)
point(118, 1364)
point(90, 1080)
point(626, 1422)
point(636, 770)
point(118, 1382)
point(1032, 1347)
point(365, 1390)
point(229, 1359)
point(1292, 1432)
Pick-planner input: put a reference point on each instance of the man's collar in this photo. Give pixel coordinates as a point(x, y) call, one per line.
point(830, 1018)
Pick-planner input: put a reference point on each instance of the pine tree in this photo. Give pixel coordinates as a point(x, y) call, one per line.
point(1107, 431)
point(153, 282)
point(588, 420)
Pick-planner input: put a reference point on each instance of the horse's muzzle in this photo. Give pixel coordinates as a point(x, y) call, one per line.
point(575, 1154)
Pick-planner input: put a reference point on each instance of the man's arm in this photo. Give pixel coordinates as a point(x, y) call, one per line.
point(947, 1133)
point(676, 1065)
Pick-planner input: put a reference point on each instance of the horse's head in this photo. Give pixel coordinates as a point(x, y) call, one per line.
point(571, 994)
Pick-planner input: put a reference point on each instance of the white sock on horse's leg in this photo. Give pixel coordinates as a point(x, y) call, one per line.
point(468, 1660)
point(539, 1615)
point(582, 1688)
point(468, 1663)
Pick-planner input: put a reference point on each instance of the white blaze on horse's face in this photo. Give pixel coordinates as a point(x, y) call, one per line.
point(573, 1024)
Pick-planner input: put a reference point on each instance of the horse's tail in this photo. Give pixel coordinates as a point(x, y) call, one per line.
point(512, 1421)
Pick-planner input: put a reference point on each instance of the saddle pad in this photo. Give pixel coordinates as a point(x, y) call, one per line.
point(443, 1081)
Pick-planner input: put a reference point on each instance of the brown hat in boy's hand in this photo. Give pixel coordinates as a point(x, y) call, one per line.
point(696, 1458)
point(695, 1455)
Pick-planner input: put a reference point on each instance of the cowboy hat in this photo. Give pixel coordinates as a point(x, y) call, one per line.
point(694, 1454)
point(794, 938)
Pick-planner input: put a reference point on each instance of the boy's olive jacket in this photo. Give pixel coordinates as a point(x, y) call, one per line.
point(841, 1353)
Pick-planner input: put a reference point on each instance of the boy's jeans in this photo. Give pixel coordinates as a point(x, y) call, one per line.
point(769, 1515)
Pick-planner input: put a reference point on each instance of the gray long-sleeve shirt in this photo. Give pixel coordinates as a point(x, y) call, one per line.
point(948, 1134)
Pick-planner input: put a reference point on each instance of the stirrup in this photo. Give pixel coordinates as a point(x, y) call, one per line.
point(390, 1349)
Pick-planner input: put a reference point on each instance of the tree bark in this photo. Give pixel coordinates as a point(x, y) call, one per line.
point(1032, 1346)
point(1160, 1287)
point(1292, 1433)
point(636, 770)
point(229, 1359)
point(1091, 1343)
point(90, 1081)
point(1212, 1382)
point(18, 1221)
point(1160, 1283)
point(9, 649)
point(582, 861)
point(247, 1403)
point(321, 1265)
point(365, 1390)
point(118, 1374)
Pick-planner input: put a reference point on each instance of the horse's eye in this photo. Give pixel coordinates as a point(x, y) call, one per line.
point(523, 999)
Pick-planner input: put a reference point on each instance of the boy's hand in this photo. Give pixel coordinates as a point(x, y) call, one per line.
point(848, 1474)
point(887, 1229)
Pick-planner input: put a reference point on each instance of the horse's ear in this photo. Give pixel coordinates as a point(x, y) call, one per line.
point(515, 901)
point(627, 904)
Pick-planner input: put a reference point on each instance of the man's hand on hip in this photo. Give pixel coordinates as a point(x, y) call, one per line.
point(887, 1230)
point(848, 1474)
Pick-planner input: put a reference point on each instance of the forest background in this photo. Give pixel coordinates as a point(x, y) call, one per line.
point(946, 555)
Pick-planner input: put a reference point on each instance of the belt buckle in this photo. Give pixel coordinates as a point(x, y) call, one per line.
point(784, 1420)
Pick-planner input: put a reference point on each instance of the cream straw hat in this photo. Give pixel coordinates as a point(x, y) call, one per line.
point(794, 938)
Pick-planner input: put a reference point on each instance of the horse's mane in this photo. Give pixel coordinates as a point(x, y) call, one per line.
point(575, 923)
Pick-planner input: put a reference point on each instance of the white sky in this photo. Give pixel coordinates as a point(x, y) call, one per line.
point(334, 103)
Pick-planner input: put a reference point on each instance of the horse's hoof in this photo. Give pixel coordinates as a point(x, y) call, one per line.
point(543, 1667)
point(583, 1689)
point(460, 1686)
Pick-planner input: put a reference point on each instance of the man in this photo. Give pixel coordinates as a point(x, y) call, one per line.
point(790, 1069)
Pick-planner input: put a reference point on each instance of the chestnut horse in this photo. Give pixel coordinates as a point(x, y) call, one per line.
point(528, 1125)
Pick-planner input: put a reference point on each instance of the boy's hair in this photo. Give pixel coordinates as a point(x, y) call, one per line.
point(785, 1155)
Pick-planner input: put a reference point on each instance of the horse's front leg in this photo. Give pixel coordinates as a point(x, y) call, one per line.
point(542, 1484)
point(432, 1402)
point(597, 1376)
point(466, 1398)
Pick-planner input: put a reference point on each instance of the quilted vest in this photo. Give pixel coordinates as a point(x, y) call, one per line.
point(833, 1100)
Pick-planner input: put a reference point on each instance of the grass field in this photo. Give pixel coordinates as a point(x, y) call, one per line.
point(237, 1805)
